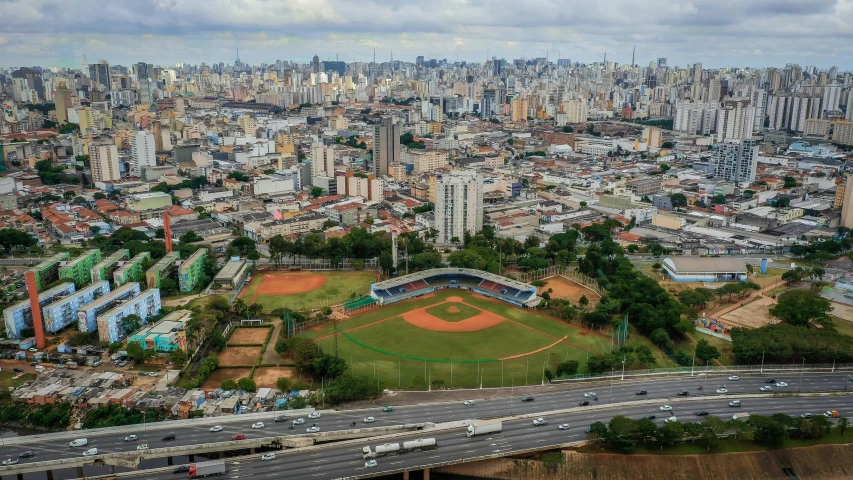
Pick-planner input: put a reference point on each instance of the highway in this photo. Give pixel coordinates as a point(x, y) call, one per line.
point(55, 447)
point(338, 461)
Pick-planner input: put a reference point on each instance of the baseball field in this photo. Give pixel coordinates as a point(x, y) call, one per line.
point(456, 338)
point(305, 290)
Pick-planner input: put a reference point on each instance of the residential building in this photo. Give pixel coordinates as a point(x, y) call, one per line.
point(141, 202)
point(191, 272)
point(63, 101)
point(301, 224)
point(167, 335)
point(576, 110)
point(162, 269)
point(735, 160)
point(817, 127)
point(112, 326)
point(358, 185)
point(843, 132)
point(425, 160)
point(79, 270)
point(105, 268)
point(386, 146)
point(144, 154)
point(103, 160)
point(847, 204)
point(696, 118)
point(735, 120)
point(322, 160)
point(48, 271)
point(652, 136)
point(85, 117)
point(19, 317)
point(133, 270)
point(519, 109)
point(458, 205)
point(645, 186)
point(87, 315)
point(63, 312)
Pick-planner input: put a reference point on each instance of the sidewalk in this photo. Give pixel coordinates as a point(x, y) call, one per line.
point(270, 355)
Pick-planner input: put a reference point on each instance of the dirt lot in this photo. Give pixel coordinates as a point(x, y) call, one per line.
point(220, 374)
point(754, 314)
point(569, 290)
point(239, 356)
point(841, 310)
point(248, 336)
point(267, 376)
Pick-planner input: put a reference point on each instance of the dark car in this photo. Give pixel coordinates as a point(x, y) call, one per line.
point(27, 454)
point(642, 392)
point(168, 438)
point(683, 393)
point(527, 399)
point(181, 469)
point(280, 419)
point(33, 364)
point(770, 380)
point(16, 369)
point(583, 403)
point(701, 413)
point(652, 417)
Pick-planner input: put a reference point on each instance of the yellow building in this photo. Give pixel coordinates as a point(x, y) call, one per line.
point(652, 136)
point(519, 109)
point(87, 119)
point(843, 133)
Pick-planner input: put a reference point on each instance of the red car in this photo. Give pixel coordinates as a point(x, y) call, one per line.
point(239, 436)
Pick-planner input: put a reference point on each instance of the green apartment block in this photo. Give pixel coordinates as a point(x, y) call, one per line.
point(132, 271)
point(191, 271)
point(161, 269)
point(103, 271)
point(47, 271)
point(79, 270)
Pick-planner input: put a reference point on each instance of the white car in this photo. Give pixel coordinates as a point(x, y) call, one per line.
point(670, 419)
point(766, 388)
point(90, 452)
point(268, 456)
point(370, 464)
point(298, 421)
point(258, 425)
point(130, 438)
point(781, 384)
point(34, 349)
point(564, 426)
point(722, 390)
point(665, 408)
point(539, 422)
point(143, 446)
point(312, 429)
point(734, 378)
point(314, 415)
point(590, 394)
point(369, 420)
point(468, 402)
point(10, 461)
point(216, 428)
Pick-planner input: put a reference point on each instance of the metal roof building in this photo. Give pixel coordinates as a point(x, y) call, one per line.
point(705, 269)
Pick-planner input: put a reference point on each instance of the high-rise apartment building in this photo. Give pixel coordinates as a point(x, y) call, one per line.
point(144, 154)
point(735, 120)
point(831, 99)
point(103, 159)
point(86, 119)
point(735, 160)
point(386, 145)
point(847, 203)
point(62, 99)
point(697, 73)
point(519, 109)
point(315, 62)
point(789, 111)
point(576, 110)
point(843, 132)
point(696, 118)
point(458, 205)
point(322, 160)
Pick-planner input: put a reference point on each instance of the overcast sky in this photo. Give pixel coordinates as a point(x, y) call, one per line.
point(754, 33)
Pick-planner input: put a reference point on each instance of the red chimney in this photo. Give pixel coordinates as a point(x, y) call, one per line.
point(33, 291)
point(167, 227)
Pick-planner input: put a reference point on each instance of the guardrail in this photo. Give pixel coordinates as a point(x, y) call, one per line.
point(732, 369)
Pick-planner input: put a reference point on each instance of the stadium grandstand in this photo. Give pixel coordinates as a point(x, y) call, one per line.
point(427, 281)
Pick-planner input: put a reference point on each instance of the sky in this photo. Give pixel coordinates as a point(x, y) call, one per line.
point(718, 33)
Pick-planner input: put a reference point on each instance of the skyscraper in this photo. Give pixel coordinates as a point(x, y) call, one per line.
point(34, 81)
point(142, 145)
point(322, 160)
point(316, 62)
point(697, 73)
point(736, 160)
point(103, 159)
point(458, 205)
point(142, 71)
point(62, 99)
point(662, 62)
point(735, 120)
point(386, 145)
point(100, 73)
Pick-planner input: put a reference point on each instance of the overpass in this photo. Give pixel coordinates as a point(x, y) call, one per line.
point(195, 433)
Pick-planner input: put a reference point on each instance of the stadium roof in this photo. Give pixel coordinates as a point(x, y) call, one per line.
point(449, 271)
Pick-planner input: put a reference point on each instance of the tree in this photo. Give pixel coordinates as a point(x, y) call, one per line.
point(283, 384)
point(247, 384)
point(801, 307)
point(842, 425)
point(656, 249)
point(790, 182)
point(189, 237)
point(748, 193)
point(718, 199)
point(793, 276)
point(239, 176)
point(386, 262)
point(568, 129)
point(229, 384)
point(316, 191)
point(329, 366)
point(131, 323)
point(304, 352)
point(678, 200)
point(218, 341)
point(99, 196)
point(11, 238)
point(705, 351)
point(567, 368)
point(178, 357)
point(670, 433)
point(348, 388)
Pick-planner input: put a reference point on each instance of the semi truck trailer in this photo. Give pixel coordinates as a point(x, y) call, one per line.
point(385, 449)
point(206, 469)
point(482, 427)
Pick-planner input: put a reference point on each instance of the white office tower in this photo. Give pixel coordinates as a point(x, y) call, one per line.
point(322, 160)
point(735, 120)
point(458, 205)
point(144, 155)
point(736, 160)
point(831, 99)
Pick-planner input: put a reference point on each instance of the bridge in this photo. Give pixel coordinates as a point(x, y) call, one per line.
point(305, 457)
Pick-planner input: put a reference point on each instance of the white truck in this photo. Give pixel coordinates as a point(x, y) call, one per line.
point(79, 442)
point(206, 469)
point(740, 416)
point(482, 427)
point(419, 445)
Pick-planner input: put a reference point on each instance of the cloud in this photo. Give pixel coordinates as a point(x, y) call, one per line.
point(714, 32)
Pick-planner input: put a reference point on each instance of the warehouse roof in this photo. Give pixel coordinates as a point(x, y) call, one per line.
point(706, 264)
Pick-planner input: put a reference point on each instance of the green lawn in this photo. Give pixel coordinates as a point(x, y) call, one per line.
point(408, 346)
point(661, 359)
point(7, 379)
point(727, 356)
point(729, 445)
point(339, 287)
point(443, 311)
point(843, 326)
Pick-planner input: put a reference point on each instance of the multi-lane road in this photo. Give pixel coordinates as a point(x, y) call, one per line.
point(46, 447)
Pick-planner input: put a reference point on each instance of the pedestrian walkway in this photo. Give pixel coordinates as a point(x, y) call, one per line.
point(270, 355)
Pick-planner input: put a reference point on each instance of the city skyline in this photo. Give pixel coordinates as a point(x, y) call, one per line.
point(744, 34)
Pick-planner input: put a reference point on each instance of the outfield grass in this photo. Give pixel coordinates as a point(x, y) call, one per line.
point(339, 287)
point(396, 336)
point(443, 311)
point(844, 327)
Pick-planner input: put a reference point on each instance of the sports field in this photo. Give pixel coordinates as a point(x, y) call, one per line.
point(456, 338)
point(304, 290)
